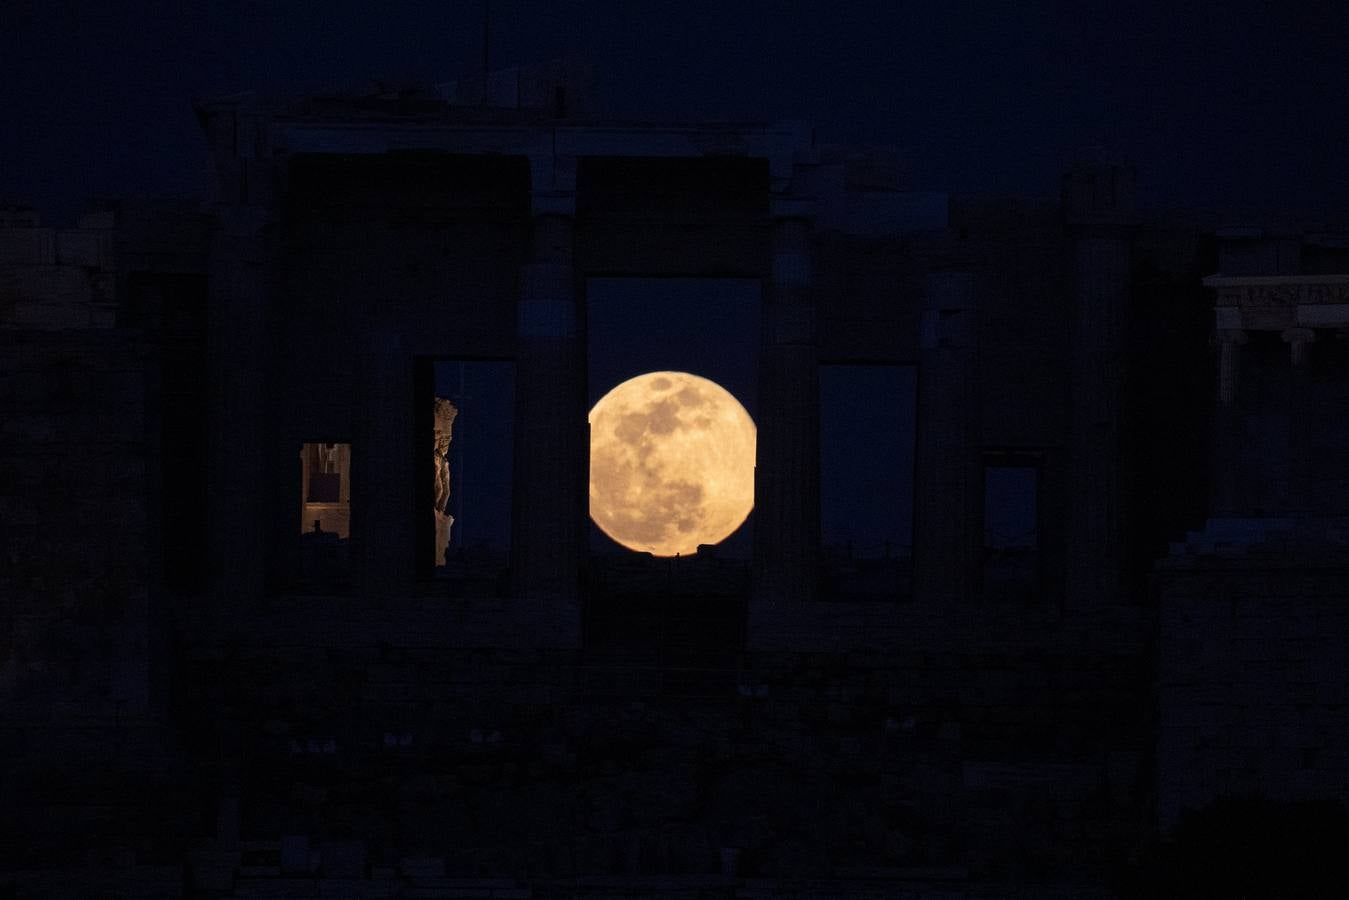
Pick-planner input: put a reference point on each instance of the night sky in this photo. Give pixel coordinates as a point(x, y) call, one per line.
point(1234, 104)
point(481, 450)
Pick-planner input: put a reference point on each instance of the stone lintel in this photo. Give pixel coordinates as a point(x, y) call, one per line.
point(1262, 294)
point(778, 144)
point(1329, 315)
point(790, 207)
point(553, 203)
point(1224, 281)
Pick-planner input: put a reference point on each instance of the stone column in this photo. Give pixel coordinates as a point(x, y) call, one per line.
point(239, 516)
point(551, 439)
point(787, 471)
point(386, 464)
point(947, 531)
point(237, 360)
point(1300, 450)
point(1227, 456)
point(1098, 205)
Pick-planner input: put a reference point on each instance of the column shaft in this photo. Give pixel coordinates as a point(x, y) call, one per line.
point(385, 467)
point(1095, 512)
point(551, 443)
point(947, 533)
point(786, 482)
point(236, 345)
point(1300, 495)
point(1227, 456)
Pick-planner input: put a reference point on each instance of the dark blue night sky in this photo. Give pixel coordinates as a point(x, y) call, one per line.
point(707, 326)
point(867, 420)
point(1232, 104)
point(481, 450)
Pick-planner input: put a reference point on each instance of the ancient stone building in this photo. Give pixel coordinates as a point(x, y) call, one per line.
point(257, 643)
point(1252, 664)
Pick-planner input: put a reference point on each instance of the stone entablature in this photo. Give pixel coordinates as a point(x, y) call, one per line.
point(1277, 302)
point(552, 148)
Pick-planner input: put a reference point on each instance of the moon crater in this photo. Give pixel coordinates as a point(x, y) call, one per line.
point(671, 463)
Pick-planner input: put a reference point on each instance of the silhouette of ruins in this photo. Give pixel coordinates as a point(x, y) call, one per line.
point(231, 667)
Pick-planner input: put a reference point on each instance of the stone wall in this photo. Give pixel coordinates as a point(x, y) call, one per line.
point(1253, 679)
point(88, 774)
point(73, 485)
point(54, 278)
point(1000, 753)
point(85, 762)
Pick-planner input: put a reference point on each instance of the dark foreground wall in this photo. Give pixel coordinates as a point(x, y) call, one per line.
point(82, 744)
point(966, 759)
point(1253, 680)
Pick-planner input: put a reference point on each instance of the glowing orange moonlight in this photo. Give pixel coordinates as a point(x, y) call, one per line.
point(671, 463)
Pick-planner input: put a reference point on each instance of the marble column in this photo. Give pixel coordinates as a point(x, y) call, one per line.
point(1098, 199)
point(236, 337)
point(947, 533)
point(1300, 451)
point(551, 441)
point(1227, 455)
point(383, 458)
point(786, 478)
point(1095, 532)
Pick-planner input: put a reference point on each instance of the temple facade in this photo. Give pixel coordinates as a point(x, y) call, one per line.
point(256, 641)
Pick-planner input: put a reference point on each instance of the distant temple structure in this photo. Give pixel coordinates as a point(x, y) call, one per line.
point(230, 664)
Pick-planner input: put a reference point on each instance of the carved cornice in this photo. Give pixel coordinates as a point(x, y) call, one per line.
point(1279, 291)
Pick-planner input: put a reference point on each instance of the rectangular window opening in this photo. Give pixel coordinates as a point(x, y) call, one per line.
point(325, 511)
point(466, 418)
point(670, 545)
point(867, 416)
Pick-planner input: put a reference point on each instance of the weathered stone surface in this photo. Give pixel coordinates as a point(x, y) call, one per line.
point(27, 246)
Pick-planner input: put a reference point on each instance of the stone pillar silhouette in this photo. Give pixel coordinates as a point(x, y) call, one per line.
point(1300, 451)
point(786, 478)
point(384, 459)
point(1227, 493)
point(236, 357)
point(947, 530)
point(551, 440)
point(241, 424)
point(1098, 204)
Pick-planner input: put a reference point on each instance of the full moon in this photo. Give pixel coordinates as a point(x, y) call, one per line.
point(671, 463)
